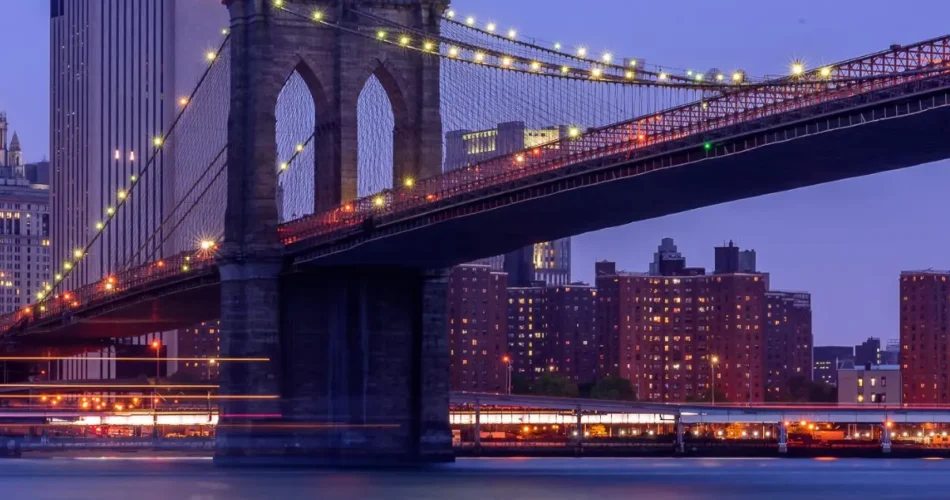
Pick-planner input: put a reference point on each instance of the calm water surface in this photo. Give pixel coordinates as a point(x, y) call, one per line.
point(484, 479)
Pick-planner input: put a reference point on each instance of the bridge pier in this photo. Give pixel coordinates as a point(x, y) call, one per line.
point(885, 439)
point(680, 443)
point(782, 438)
point(365, 366)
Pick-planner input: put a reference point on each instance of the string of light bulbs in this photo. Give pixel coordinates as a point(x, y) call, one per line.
point(123, 194)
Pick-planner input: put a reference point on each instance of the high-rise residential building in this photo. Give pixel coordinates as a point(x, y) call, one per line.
point(607, 311)
point(117, 71)
point(924, 321)
point(201, 341)
point(826, 362)
point(573, 346)
point(24, 228)
point(868, 352)
point(788, 339)
point(672, 332)
point(527, 331)
point(477, 305)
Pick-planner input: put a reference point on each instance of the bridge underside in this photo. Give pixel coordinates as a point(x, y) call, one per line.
point(176, 304)
point(801, 154)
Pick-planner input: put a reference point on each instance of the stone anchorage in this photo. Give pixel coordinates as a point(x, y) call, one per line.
point(358, 355)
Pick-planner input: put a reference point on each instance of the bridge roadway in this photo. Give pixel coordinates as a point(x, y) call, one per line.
point(886, 129)
point(709, 414)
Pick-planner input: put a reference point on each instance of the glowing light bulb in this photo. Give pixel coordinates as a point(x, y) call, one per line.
point(573, 132)
point(582, 52)
point(719, 77)
point(699, 77)
point(470, 21)
point(299, 148)
point(157, 141)
point(381, 34)
point(133, 177)
point(67, 266)
point(110, 210)
point(122, 194)
point(506, 61)
point(404, 41)
point(379, 201)
point(100, 226)
point(183, 101)
point(77, 253)
point(596, 72)
point(210, 56)
point(512, 34)
point(490, 28)
point(118, 155)
point(798, 68)
point(453, 51)
point(429, 46)
point(317, 15)
point(826, 72)
point(565, 69)
point(278, 3)
point(629, 75)
point(59, 277)
point(479, 57)
point(284, 166)
point(557, 46)
point(185, 267)
point(535, 65)
point(225, 31)
point(663, 76)
point(409, 182)
point(207, 244)
point(633, 63)
point(737, 77)
point(450, 14)
point(607, 57)
point(39, 295)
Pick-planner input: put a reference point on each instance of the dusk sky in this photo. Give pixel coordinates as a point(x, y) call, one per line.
point(844, 242)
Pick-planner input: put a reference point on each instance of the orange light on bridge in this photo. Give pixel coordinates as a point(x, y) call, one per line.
point(519, 158)
point(110, 280)
point(75, 304)
point(67, 296)
point(155, 344)
point(803, 423)
point(28, 310)
point(109, 286)
point(207, 244)
point(160, 263)
point(430, 197)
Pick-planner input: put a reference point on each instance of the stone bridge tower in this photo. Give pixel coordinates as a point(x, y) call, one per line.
point(358, 353)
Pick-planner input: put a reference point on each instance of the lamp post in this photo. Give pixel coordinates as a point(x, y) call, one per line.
point(158, 352)
point(712, 382)
point(507, 360)
point(210, 364)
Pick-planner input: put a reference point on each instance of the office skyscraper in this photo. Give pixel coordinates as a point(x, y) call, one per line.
point(117, 70)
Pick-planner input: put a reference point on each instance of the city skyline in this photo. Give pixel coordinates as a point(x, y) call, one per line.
point(845, 242)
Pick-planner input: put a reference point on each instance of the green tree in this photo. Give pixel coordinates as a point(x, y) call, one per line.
point(612, 387)
point(553, 384)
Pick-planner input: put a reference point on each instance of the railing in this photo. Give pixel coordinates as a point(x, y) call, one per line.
point(875, 72)
point(109, 287)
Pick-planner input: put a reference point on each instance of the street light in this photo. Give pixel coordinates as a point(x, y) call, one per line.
point(507, 360)
point(712, 383)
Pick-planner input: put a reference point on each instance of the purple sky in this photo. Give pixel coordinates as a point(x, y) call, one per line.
point(845, 242)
